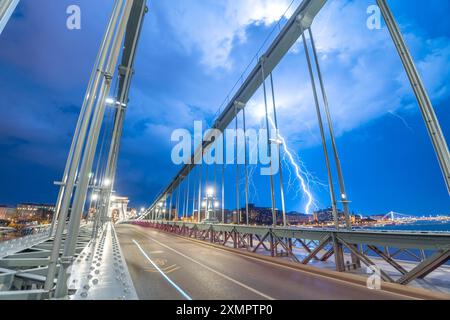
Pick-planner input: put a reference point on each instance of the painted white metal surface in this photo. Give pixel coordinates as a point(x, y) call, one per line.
point(100, 271)
point(10, 247)
point(7, 8)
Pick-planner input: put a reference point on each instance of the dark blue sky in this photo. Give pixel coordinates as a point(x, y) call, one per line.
point(191, 53)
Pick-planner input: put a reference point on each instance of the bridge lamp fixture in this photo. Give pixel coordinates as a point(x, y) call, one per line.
point(216, 204)
point(113, 102)
point(142, 210)
point(107, 183)
point(204, 204)
point(110, 101)
point(210, 192)
point(94, 197)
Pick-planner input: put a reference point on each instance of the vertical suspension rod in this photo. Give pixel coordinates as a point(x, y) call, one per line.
point(343, 196)
point(322, 134)
point(272, 191)
point(275, 119)
point(246, 168)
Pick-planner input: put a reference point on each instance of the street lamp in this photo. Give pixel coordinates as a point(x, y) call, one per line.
point(160, 207)
point(107, 183)
point(210, 203)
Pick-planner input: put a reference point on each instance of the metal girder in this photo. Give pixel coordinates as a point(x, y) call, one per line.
point(19, 263)
point(134, 28)
point(316, 250)
point(6, 279)
point(395, 239)
point(24, 295)
point(19, 244)
point(41, 271)
point(426, 267)
point(7, 8)
point(261, 242)
point(365, 259)
point(388, 259)
point(33, 254)
point(294, 28)
point(285, 247)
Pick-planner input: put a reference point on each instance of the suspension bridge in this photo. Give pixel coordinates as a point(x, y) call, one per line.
point(185, 245)
point(395, 216)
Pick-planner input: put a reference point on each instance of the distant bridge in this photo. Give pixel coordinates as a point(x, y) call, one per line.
point(395, 216)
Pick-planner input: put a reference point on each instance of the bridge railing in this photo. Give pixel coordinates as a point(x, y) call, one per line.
point(24, 264)
point(39, 234)
point(397, 256)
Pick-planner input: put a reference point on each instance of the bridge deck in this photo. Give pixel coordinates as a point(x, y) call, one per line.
point(204, 272)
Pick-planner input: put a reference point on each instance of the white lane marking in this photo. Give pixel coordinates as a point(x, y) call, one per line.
point(184, 294)
point(214, 271)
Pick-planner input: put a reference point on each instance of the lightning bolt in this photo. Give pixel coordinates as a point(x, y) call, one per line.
point(298, 173)
point(302, 175)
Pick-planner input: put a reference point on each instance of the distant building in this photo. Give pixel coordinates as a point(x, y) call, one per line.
point(295, 218)
point(263, 216)
point(7, 213)
point(118, 208)
point(323, 216)
point(259, 215)
point(326, 215)
point(377, 217)
point(367, 221)
point(35, 212)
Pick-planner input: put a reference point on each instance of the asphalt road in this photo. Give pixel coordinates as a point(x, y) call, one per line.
point(167, 267)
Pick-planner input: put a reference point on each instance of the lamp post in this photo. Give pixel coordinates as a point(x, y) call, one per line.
point(160, 211)
point(210, 204)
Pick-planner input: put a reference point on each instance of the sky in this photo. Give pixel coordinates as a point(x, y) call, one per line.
point(190, 55)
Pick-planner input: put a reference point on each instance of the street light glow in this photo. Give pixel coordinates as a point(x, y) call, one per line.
point(210, 192)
